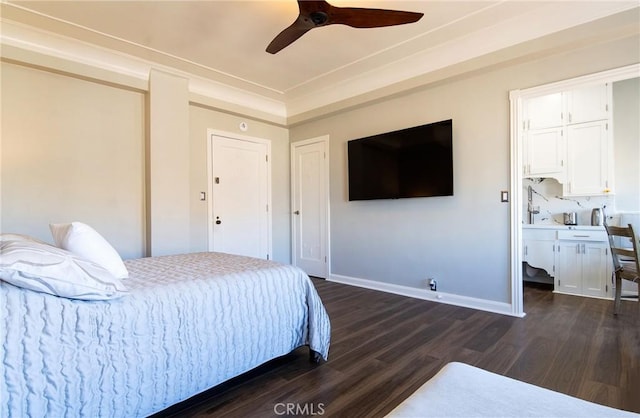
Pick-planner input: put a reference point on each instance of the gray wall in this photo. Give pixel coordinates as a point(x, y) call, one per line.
point(72, 150)
point(626, 130)
point(461, 240)
point(202, 118)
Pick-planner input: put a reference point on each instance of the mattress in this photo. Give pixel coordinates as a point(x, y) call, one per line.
point(188, 323)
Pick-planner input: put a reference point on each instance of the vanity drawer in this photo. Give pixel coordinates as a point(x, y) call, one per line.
point(579, 235)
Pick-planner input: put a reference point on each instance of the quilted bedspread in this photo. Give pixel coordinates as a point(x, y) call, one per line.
point(188, 323)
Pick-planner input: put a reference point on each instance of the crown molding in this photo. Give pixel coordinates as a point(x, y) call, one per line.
point(394, 72)
point(33, 46)
point(551, 18)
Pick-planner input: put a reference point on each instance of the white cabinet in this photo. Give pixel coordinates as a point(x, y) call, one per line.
point(588, 103)
point(567, 137)
point(577, 258)
point(539, 249)
point(587, 159)
point(583, 263)
point(545, 153)
point(544, 111)
point(569, 259)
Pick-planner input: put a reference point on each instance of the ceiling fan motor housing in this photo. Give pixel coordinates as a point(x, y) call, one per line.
point(319, 18)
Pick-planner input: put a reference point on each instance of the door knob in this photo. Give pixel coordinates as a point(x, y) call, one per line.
point(296, 212)
point(218, 221)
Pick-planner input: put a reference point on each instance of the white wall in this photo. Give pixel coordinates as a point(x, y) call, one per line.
point(461, 240)
point(72, 150)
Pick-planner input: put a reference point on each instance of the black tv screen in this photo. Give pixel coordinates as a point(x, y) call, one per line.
point(412, 162)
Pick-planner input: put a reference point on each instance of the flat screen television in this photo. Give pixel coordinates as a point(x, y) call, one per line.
point(412, 162)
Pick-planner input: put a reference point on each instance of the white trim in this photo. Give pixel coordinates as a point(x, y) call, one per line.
point(323, 139)
point(607, 76)
point(515, 244)
point(210, 134)
point(515, 97)
point(79, 57)
point(440, 297)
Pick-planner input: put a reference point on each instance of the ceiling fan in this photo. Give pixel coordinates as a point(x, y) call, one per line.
point(314, 14)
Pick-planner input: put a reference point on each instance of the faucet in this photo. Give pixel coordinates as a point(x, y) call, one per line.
point(531, 210)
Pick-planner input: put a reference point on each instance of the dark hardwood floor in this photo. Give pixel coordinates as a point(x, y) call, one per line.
point(385, 346)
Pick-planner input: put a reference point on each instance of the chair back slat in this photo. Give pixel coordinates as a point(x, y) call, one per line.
point(624, 253)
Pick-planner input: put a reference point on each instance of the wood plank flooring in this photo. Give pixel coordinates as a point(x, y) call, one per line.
point(385, 346)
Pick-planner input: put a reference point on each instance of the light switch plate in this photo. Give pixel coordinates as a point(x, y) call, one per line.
point(504, 196)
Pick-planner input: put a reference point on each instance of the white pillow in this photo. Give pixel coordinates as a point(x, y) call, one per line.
point(86, 242)
point(45, 268)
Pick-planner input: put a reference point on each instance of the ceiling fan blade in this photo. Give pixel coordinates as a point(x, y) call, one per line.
point(371, 18)
point(288, 36)
point(316, 13)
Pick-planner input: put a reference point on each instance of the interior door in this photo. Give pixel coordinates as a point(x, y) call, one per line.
point(309, 184)
point(240, 197)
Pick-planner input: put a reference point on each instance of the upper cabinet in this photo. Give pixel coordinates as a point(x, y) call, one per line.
point(567, 137)
point(544, 111)
point(587, 104)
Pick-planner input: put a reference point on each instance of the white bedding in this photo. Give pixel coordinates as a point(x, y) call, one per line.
point(188, 323)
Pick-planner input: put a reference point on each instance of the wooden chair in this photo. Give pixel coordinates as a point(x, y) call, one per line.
point(625, 258)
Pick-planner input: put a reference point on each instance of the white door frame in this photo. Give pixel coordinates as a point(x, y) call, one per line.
point(324, 139)
point(516, 119)
point(233, 136)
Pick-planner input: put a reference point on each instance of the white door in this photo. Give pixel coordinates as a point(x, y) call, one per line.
point(544, 153)
point(588, 103)
point(309, 184)
point(587, 159)
point(240, 219)
point(569, 267)
point(594, 268)
point(544, 111)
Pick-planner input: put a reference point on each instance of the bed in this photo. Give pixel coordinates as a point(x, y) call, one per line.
point(185, 324)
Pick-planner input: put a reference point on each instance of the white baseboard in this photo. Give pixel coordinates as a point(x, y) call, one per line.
point(441, 297)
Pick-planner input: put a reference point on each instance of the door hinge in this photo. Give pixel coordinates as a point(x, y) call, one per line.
point(267, 208)
point(606, 288)
point(217, 180)
point(267, 256)
point(266, 158)
point(325, 258)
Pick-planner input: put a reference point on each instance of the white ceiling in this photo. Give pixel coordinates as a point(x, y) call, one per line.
point(225, 41)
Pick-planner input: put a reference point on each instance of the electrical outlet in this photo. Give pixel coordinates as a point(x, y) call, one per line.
point(433, 284)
